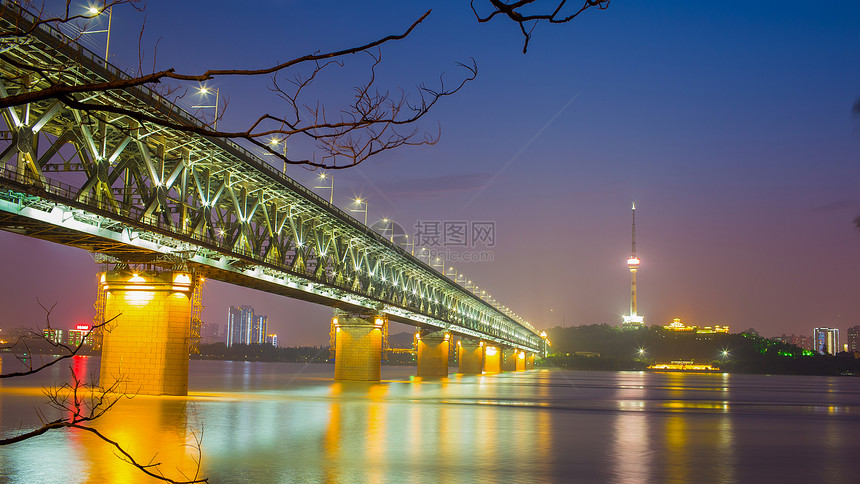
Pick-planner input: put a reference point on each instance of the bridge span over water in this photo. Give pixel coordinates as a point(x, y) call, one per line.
point(188, 206)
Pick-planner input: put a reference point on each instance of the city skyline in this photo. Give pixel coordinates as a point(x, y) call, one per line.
point(744, 168)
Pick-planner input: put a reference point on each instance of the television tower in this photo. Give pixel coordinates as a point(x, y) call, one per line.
point(633, 320)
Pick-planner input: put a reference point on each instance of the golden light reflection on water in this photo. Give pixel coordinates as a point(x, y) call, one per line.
point(151, 429)
point(377, 432)
point(631, 450)
point(511, 427)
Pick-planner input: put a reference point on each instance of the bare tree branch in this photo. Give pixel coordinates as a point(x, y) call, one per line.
point(82, 403)
point(372, 123)
point(520, 13)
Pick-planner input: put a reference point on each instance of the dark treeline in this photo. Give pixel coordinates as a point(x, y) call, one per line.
point(300, 354)
point(37, 345)
point(263, 352)
point(578, 347)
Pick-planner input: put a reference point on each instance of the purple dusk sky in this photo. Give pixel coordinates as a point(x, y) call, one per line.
point(729, 124)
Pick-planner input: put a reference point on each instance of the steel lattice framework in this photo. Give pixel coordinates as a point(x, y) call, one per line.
point(138, 191)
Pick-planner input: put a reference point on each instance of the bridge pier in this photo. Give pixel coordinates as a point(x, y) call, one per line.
point(432, 349)
point(358, 346)
point(520, 360)
point(530, 361)
point(145, 348)
point(509, 359)
point(492, 359)
point(470, 353)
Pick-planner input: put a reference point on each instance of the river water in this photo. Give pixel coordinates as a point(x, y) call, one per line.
point(285, 422)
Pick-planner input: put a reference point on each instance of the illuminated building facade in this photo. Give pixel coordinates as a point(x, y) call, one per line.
point(272, 339)
point(80, 335)
point(633, 320)
point(244, 327)
point(53, 335)
point(677, 326)
point(854, 339)
point(826, 341)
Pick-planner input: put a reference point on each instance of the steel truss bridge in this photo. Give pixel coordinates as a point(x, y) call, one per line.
point(138, 191)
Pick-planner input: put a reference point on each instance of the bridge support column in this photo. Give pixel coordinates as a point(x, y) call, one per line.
point(145, 346)
point(492, 359)
point(432, 349)
point(530, 361)
point(509, 359)
point(520, 360)
point(470, 353)
point(358, 346)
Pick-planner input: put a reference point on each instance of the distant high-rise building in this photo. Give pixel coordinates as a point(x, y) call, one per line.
point(210, 333)
point(53, 335)
point(633, 320)
point(272, 339)
point(244, 327)
point(854, 338)
point(258, 330)
point(801, 341)
point(79, 335)
point(826, 341)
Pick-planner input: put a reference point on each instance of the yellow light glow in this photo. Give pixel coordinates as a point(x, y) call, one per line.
point(103, 279)
point(633, 261)
point(334, 321)
point(491, 350)
point(93, 11)
point(138, 298)
point(543, 334)
point(182, 279)
point(136, 278)
point(378, 322)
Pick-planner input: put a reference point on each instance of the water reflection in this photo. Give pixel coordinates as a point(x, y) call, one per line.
point(292, 423)
point(152, 429)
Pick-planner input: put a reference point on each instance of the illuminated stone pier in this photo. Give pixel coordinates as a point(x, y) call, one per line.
point(530, 361)
point(520, 362)
point(145, 345)
point(432, 349)
point(492, 359)
point(509, 359)
point(358, 346)
point(470, 354)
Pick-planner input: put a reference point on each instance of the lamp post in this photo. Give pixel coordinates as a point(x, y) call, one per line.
point(95, 12)
point(361, 202)
point(330, 187)
point(205, 91)
point(275, 142)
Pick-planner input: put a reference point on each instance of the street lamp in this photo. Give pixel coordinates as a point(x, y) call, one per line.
point(359, 201)
point(205, 91)
point(330, 187)
point(275, 142)
point(95, 12)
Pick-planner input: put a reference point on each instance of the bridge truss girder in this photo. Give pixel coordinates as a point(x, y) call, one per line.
point(132, 189)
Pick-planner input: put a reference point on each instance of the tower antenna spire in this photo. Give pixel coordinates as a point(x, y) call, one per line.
point(633, 320)
point(634, 229)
